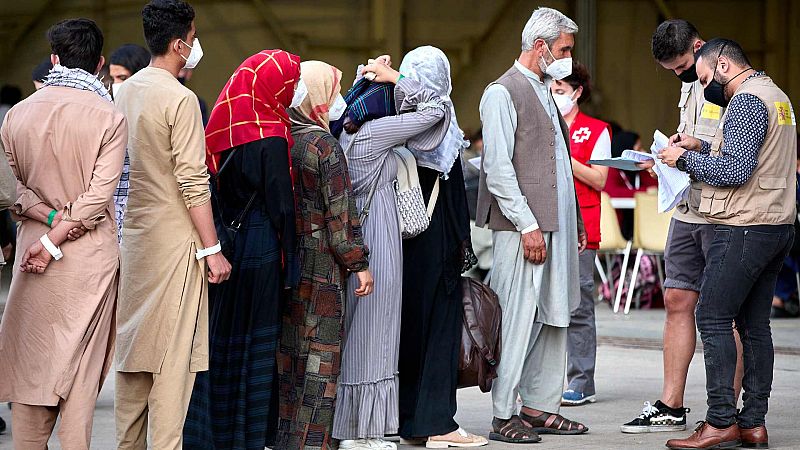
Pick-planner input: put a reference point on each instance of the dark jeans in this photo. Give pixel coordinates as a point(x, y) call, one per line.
point(742, 267)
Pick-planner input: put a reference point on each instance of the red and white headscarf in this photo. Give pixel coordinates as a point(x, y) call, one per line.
point(253, 103)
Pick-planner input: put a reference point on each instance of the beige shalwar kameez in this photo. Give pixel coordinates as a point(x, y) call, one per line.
point(162, 316)
point(66, 147)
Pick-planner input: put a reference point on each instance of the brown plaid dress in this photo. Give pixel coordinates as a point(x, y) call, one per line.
point(329, 244)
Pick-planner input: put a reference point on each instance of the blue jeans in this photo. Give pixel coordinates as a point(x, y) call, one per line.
point(742, 267)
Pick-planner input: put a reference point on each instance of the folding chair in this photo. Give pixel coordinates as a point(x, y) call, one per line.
point(650, 231)
point(612, 243)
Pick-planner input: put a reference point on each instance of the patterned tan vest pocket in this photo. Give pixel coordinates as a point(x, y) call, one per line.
point(714, 201)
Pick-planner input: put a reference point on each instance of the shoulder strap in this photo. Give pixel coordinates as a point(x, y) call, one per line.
point(237, 222)
point(434, 198)
point(365, 210)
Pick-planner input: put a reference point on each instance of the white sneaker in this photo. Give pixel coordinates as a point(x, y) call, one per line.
point(382, 444)
point(366, 444)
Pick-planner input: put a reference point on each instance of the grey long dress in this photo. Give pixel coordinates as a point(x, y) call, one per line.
point(367, 394)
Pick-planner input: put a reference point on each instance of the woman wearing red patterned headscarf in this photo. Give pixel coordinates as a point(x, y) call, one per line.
point(248, 139)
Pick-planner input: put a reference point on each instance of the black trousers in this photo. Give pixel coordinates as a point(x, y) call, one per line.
point(742, 268)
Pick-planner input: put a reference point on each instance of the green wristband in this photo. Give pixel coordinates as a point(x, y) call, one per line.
point(50, 218)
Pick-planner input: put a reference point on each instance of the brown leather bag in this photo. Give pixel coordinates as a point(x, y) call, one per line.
point(480, 336)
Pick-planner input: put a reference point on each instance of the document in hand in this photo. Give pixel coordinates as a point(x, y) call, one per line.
point(622, 162)
point(672, 183)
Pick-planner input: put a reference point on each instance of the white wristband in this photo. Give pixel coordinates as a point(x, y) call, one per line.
point(51, 248)
point(213, 250)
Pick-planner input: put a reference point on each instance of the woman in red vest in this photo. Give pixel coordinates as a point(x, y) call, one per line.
point(589, 139)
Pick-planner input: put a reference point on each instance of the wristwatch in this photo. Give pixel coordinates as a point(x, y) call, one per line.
point(681, 163)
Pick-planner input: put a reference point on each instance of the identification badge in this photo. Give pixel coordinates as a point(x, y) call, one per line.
point(711, 111)
point(785, 113)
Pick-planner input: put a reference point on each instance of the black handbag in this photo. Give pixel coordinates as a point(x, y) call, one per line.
point(226, 232)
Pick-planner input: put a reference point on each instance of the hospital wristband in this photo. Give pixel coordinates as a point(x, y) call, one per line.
point(213, 250)
point(51, 248)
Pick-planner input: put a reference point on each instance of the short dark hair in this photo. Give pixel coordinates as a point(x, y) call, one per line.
point(131, 56)
point(42, 70)
point(673, 38)
point(730, 49)
point(164, 21)
point(10, 95)
point(78, 43)
point(580, 78)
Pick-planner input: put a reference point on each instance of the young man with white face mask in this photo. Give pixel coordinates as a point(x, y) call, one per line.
point(589, 139)
point(527, 198)
point(170, 249)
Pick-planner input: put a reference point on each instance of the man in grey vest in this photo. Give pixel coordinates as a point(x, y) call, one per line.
point(527, 198)
point(750, 196)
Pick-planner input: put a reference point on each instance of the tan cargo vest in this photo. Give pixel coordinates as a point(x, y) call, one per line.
point(768, 197)
point(705, 124)
point(533, 160)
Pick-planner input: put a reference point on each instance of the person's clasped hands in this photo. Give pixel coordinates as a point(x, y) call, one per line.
point(36, 258)
point(382, 68)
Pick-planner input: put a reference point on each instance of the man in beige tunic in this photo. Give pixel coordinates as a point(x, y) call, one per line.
point(169, 240)
point(65, 144)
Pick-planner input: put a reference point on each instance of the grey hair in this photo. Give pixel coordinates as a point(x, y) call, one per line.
point(547, 24)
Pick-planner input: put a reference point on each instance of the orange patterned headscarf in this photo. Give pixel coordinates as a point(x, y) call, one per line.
point(252, 105)
point(323, 83)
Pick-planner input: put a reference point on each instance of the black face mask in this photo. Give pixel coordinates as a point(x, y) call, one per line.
point(689, 75)
point(715, 91)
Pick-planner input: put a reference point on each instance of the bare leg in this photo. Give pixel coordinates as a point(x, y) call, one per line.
point(680, 339)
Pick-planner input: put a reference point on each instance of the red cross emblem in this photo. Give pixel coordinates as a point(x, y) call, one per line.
point(581, 135)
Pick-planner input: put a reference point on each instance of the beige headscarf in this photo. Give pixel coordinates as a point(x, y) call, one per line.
point(322, 81)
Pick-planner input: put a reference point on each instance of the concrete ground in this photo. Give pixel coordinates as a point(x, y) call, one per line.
point(628, 373)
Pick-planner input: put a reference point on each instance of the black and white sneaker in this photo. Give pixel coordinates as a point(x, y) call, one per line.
point(657, 418)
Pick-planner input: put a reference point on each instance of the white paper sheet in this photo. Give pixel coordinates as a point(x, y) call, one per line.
point(673, 184)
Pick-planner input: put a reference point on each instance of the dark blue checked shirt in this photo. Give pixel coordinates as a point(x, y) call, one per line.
point(744, 131)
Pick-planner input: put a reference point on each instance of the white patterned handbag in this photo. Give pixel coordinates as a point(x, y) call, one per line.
point(414, 215)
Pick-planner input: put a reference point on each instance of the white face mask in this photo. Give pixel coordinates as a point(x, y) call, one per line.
point(564, 102)
point(300, 93)
point(115, 89)
point(337, 109)
point(560, 68)
point(194, 56)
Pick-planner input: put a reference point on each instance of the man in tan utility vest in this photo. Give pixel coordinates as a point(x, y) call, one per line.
point(674, 44)
point(750, 197)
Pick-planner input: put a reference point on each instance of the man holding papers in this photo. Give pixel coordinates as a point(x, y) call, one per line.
point(750, 198)
point(674, 44)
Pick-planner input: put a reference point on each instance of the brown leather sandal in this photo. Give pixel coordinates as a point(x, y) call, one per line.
point(547, 423)
point(513, 431)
